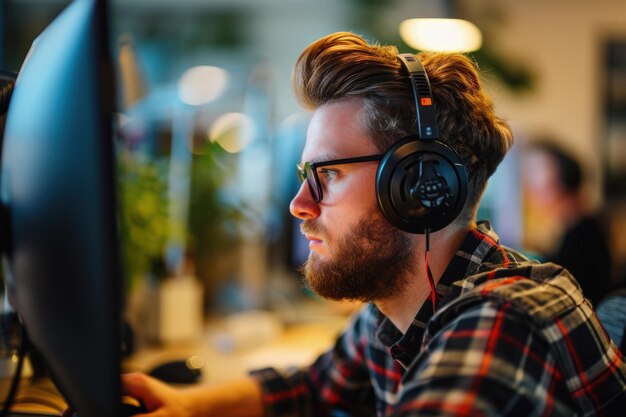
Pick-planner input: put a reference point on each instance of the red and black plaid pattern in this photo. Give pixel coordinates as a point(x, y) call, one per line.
point(511, 337)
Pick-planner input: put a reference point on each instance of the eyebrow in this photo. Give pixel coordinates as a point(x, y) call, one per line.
point(324, 157)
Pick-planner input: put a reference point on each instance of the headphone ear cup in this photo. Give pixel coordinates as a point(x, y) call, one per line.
point(421, 184)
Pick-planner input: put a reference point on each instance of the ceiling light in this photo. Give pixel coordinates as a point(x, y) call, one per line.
point(445, 35)
point(202, 84)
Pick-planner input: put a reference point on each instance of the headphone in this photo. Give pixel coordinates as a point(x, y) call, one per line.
point(421, 183)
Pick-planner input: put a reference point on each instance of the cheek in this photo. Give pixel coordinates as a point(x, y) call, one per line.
point(356, 205)
point(542, 187)
point(368, 199)
point(356, 200)
point(363, 188)
point(338, 224)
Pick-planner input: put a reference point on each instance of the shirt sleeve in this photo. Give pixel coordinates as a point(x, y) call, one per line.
point(337, 384)
point(489, 361)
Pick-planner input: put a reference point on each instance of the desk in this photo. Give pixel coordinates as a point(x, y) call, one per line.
point(289, 345)
point(37, 397)
point(295, 344)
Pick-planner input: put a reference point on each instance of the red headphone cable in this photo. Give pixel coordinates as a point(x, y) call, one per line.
point(429, 274)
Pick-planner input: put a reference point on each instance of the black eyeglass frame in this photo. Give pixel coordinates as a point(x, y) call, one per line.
point(308, 172)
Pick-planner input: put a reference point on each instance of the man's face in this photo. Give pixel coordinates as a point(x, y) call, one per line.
point(541, 178)
point(354, 252)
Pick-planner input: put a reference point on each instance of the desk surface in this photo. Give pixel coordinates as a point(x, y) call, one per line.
point(233, 346)
point(230, 347)
point(37, 397)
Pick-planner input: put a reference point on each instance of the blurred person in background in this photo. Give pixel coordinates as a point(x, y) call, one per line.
point(553, 183)
point(454, 323)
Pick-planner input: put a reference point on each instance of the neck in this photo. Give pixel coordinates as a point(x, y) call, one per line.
point(402, 308)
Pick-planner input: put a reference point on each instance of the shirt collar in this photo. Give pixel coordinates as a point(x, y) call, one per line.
point(479, 244)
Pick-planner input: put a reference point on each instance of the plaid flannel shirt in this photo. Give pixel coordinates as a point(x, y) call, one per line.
point(510, 337)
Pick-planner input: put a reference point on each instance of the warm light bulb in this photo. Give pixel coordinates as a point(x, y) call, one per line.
point(202, 84)
point(232, 131)
point(445, 35)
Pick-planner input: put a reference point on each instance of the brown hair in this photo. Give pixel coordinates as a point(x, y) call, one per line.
point(344, 66)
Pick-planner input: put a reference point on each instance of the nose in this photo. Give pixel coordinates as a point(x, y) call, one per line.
point(302, 205)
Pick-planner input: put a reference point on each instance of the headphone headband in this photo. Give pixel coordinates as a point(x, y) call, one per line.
point(421, 183)
point(424, 103)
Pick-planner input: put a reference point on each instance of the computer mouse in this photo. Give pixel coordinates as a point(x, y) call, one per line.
point(180, 371)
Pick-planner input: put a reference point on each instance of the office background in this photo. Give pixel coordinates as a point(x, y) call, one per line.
point(211, 179)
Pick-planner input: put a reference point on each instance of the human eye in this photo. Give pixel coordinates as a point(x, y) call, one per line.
point(327, 174)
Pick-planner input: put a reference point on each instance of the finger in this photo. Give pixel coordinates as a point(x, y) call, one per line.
point(134, 381)
point(143, 388)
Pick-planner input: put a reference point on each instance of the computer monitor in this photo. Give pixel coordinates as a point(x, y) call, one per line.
point(57, 187)
point(7, 81)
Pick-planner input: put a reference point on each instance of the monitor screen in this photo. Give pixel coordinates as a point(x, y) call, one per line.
point(57, 188)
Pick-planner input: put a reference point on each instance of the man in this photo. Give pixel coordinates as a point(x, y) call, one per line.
point(508, 337)
point(554, 182)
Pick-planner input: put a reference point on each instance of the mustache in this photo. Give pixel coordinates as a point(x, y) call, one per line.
point(312, 227)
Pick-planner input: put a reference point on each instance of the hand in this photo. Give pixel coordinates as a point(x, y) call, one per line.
point(237, 398)
point(159, 398)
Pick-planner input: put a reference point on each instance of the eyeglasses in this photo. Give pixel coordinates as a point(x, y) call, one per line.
point(308, 172)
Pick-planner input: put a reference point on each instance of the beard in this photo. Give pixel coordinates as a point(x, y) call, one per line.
point(371, 263)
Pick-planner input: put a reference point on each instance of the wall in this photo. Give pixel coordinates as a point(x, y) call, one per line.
point(562, 41)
